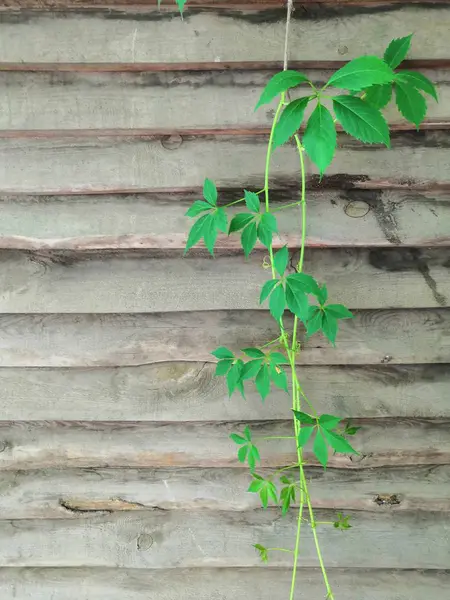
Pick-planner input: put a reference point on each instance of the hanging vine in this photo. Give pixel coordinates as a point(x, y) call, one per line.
point(296, 300)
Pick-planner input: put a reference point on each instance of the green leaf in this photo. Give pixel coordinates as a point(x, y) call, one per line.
point(242, 454)
point(262, 382)
point(303, 282)
point(266, 228)
point(251, 368)
point(338, 443)
point(247, 433)
point(221, 219)
point(252, 201)
point(210, 192)
point(222, 352)
point(263, 494)
point(267, 289)
point(255, 486)
point(290, 121)
point(281, 259)
point(238, 439)
point(248, 238)
point(297, 301)
point(210, 232)
point(272, 491)
point(196, 232)
point(322, 294)
point(397, 50)
point(285, 498)
point(253, 457)
point(361, 73)
point(279, 377)
point(198, 207)
point(263, 554)
point(329, 421)
point(240, 221)
point(314, 322)
point(233, 376)
point(329, 327)
point(279, 83)
point(181, 4)
point(304, 435)
point(410, 103)
point(419, 81)
point(320, 449)
point(319, 139)
point(378, 96)
point(277, 302)
point(278, 359)
point(361, 120)
point(304, 417)
point(253, 352)
point(339, 311)
point(223, 366)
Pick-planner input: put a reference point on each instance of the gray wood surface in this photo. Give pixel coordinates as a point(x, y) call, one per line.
point(373, 337)
point(157, 222)
point(360, 279)
point(77, 493)
point(40, 444)
point(113, 164)
point(170, 100)
point(227, 584)
point(219, 36)
point(166, 539)
point(190, 392)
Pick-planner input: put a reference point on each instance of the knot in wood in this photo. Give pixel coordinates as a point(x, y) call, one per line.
point(171, 142)
point(144, 541)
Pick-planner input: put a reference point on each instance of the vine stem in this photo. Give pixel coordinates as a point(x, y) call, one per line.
point(297, 391)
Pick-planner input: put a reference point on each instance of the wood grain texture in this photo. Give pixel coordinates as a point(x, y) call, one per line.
point(108, 164)
point(166, 539)
point(73, 101)
point(373, 337)
point(190, 392)
point(226, 584)
point(112, 36)
point(360, 279)
point(157, 222)
point(85, 444)
point(77, 493)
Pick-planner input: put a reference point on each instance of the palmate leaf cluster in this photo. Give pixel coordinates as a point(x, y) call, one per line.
point(370, 83)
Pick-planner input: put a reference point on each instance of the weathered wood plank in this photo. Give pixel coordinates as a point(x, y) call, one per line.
point(65, 101)
point(108, 164)
point(373, 337)
point(85, 444)
point(190, 392)
point(157, 222)
point(76, 493)
point(360, 279)
point(108, 36)
point(166, 539)
point(226, 584)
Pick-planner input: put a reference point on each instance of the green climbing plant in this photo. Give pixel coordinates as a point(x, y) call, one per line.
point(295, 299)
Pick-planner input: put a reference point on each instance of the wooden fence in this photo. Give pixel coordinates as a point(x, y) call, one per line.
point(118, 479)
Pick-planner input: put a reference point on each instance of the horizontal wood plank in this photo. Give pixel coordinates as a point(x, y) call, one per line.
point(167, 539)
point(77, 493)
point(73, 101)
point(223, 583)
point(28, 166)
point(373, 337)
point(40, 444)
point(191, 392)
point(109, 36)
point(359, 279)
point(157, 223)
